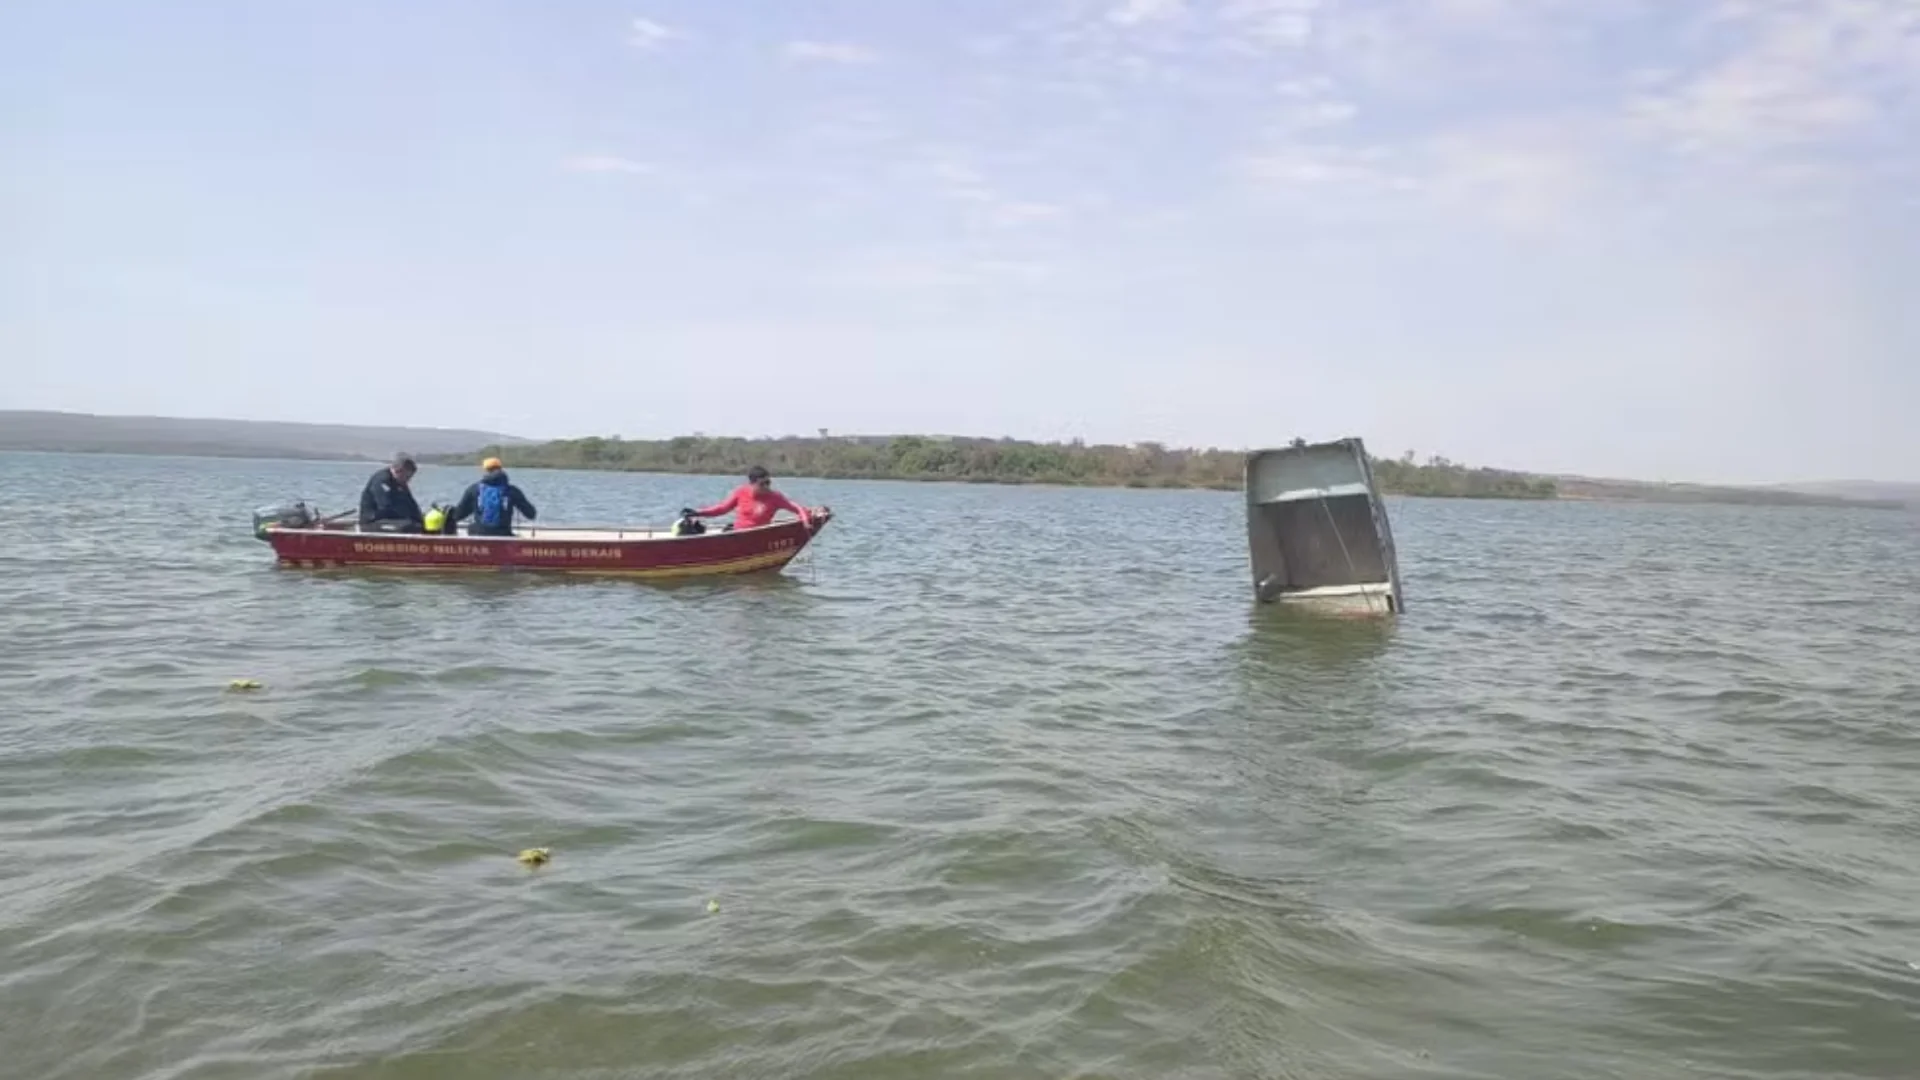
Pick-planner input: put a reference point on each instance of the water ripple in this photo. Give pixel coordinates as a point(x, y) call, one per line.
point(1007, 782)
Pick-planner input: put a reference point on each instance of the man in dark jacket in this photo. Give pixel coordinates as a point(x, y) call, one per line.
point(387, 504)
point(491, 503)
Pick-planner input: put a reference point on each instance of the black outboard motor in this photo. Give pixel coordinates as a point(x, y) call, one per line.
point(290, 516)
point(688, 525)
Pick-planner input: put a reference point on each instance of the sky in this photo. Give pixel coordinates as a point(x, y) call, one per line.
point(1667, 239)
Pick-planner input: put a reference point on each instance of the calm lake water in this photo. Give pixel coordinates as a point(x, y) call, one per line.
point(1000, 783)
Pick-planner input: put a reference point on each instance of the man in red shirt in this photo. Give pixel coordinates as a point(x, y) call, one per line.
point(754, 503)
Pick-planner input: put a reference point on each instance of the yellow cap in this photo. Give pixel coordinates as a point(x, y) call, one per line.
point(490, 464)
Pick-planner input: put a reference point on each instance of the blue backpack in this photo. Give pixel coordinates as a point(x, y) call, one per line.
point(494, 505)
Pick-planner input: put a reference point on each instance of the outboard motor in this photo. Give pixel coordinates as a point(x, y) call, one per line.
point(688, 525)
point(290, 516)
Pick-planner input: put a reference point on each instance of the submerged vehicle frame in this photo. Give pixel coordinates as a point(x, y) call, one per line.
point(1317, 531)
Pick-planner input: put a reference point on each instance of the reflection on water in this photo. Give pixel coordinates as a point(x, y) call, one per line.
point(1285, 638)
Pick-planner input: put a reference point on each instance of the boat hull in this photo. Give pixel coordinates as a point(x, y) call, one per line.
point(625, 553)
point(1317, 530)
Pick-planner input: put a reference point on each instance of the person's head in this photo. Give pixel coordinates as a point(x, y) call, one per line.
point(491, 465)
point(403, 467)
point(758, 479)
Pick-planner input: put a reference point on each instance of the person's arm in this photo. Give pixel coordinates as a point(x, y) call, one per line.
point(462, 510)
point(733, 500)
point(521, 503)
point(781, 502)
point(369, 504)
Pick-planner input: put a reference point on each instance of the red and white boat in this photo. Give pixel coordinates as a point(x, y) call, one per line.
point(299, 539)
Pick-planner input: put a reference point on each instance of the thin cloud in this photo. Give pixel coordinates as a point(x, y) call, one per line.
point(1009, 214)
point(829, 52)
point(606, 163)
point(935, 271)
point(1298, 167)
point(1527, 177)
point(647, 35)
point(1522, 176)
point(1312, 103)
point(950, 174)
point(1790, 75)
point(1138, 12)
point(1283, 23)
point(1525, 112)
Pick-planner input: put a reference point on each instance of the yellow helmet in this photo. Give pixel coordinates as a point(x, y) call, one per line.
point(436, 520)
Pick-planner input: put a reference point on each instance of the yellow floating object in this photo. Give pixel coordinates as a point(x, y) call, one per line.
point(435, 520)
point(535, 856)
point(713, 907)
point(245, 684)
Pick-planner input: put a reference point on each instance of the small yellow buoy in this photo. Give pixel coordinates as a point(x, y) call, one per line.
point(245, 684)
point(713, 907)
point(535, 856)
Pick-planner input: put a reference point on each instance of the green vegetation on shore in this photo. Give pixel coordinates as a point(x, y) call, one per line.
point(990, 461)
point(911, 458)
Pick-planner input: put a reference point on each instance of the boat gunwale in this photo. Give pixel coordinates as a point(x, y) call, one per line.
point(567, 534)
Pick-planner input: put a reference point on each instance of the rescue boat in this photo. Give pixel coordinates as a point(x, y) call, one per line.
point(302, 540)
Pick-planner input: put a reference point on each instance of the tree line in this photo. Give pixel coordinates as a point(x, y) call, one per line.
point(987, 461)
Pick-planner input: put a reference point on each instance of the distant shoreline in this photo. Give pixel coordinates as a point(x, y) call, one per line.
point(1014, 462)
point(455, 461)
point(1811, 502)
point(903, 459)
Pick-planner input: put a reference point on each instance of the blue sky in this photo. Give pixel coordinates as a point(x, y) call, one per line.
point(1632, 237)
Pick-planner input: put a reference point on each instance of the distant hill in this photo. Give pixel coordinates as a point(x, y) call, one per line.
point(1581, 487)
point(1859, 489)
point(86, 433)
